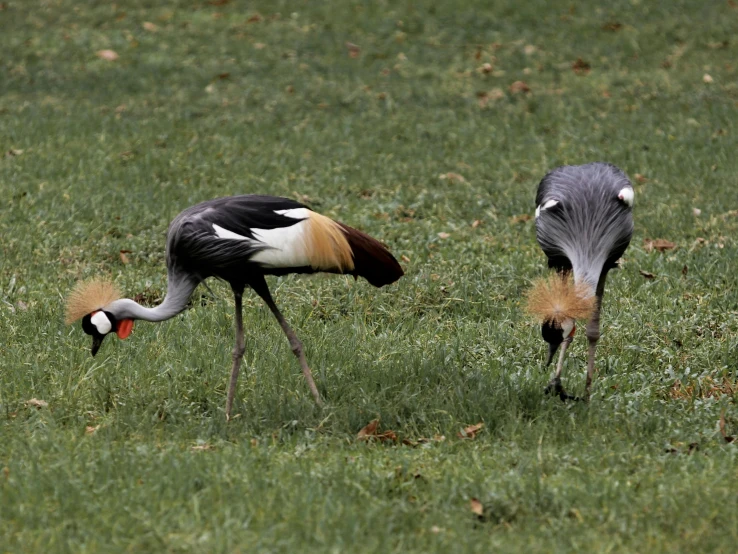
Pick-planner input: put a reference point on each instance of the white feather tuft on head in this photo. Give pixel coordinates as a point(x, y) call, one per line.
point(627, 195)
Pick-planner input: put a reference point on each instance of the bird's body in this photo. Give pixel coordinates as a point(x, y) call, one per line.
point(584, 224)
point(241, 239)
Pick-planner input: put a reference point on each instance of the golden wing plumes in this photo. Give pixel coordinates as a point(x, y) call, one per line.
point(89, 296)
point(556, 298)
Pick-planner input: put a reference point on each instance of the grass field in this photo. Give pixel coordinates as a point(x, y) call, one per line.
point(409, 136)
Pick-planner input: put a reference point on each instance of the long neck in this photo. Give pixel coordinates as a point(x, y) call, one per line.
point(175, 301)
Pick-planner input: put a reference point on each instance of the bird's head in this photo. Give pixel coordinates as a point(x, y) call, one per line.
point(557, 302)
point(90, 301)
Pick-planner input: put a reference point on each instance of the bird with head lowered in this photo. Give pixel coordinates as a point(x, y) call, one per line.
point(239, 239)
point(584, 223)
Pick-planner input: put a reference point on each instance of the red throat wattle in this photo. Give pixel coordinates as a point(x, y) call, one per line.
point(573, 330)
point(124, 328)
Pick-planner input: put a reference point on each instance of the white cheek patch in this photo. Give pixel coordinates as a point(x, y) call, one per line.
point(626, 195)
point(546, 205)
point(101, 323)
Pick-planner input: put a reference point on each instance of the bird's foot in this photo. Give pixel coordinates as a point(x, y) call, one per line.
point(554, 387)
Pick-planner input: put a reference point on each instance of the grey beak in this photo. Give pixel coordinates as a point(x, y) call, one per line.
point(552, 348)
point(96, 342)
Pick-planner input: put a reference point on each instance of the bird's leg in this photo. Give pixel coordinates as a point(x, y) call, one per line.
point(554, 385)
point(593, 334)
point(262, 290)
point(238, 351)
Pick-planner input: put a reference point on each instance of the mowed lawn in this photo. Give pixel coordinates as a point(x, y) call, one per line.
point(428, 125)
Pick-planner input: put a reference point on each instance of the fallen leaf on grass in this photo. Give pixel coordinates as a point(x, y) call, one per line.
point(259, 45)
point(123, 256)
point(476, 223)
point(521, 218)
point(453, 177)
point(353, 49)
point(726, 437)
point(202, 447)
point(369, 432)
point(707, 78)
point(647, 274)
point(662, 245)
point(519, 87)
point(256, 18)
point(612, 26)
point(91, 429)
point(470, 431)
point(13, 152)
point(581, 67)
point(151, 27)
point(640, 178)
point(485, 68)
point(443, 235)
point(36, 403)
point(107, 55)
point(476, 507)
point(405, 259)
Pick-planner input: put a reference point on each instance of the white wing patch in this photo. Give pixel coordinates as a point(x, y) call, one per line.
point(627, 195)
point(222, 233)
point(101, 323)
point(294, 213)
point(286, 245)
point(546, 205)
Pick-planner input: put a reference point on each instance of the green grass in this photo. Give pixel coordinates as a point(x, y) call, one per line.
point(209, 104)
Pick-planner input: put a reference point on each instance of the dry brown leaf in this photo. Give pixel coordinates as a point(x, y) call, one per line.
point(202, 447)
point(581, 67)
point(405, 259)
point(151, 27)
point(259, 45)
point(443, 235)
point(476, 223)
point(521, 218)
point(696, 212)
point(13, 152)
point(612, 26)
point(90, 429)
point(519, 87)
point(640, 178)
point(453, 177)
point(476, 507)
point(470, 431)
point(662, 245)
point(256, 18)
point(646, 274)
point(108, 55)
point(707, 78)
point(36, 403)
point(353, 49)
point(726, 437)
point(369, 430)
point(123, 256)
point(485, 68)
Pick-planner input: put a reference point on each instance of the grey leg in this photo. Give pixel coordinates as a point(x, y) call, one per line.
point(238, 351)
point(262, 290)
point(593, 333)
point(554, 385)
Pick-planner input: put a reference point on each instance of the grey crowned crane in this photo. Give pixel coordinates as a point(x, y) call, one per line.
point(239, 239)
point(584, 224)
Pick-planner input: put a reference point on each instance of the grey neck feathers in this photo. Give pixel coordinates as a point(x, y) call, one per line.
point(175, 301)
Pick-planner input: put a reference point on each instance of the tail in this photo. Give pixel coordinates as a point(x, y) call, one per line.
point(372, 260)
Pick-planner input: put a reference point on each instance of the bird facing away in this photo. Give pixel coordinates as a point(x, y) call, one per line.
point(239, 239)
point(584, 224)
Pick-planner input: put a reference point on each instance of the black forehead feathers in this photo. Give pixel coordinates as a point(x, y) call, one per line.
point(552, 334)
